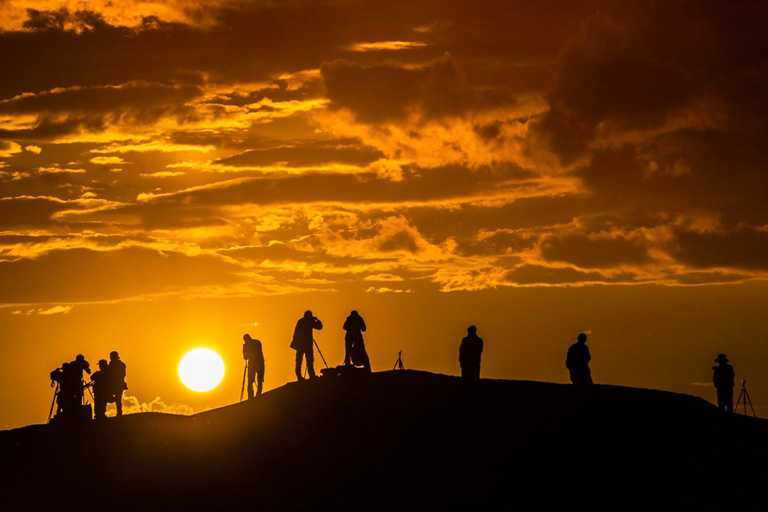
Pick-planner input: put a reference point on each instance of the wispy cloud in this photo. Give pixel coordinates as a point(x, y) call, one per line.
point(386, 45)
point(54, 310)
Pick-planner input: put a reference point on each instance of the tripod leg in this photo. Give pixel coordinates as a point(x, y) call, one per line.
point(53, 402)
point(321, 354)
point(242, 388)
point(750, 404)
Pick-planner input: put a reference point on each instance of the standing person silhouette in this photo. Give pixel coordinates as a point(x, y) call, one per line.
point(253, 353)
point(353, 341)
point(116, 372)
point(723, 378)
point(77, 367)
point(303, 342)
point(470, 352)
point(64, 396)
point(101, 391)
point(577, 362)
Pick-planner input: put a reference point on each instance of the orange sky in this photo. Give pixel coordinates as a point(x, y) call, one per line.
point(174, 174)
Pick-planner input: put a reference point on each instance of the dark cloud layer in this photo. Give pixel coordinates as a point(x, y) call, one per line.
point(386, 91)
point(472, 144)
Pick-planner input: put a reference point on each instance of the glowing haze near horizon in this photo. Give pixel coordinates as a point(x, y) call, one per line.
point(175, 174)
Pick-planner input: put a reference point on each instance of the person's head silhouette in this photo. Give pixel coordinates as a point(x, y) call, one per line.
point(80, 357)
point(582, 338)
point(247, 337)
point(113, 356)
point(472, 329)
point(102, 364)
point(721, 359)
point(307, 314)
point(354, 313)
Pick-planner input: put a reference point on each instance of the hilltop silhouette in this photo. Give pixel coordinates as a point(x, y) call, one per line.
point(401, 440)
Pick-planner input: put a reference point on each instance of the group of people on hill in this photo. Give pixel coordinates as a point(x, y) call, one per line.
point(107, 383)
point(303, 342)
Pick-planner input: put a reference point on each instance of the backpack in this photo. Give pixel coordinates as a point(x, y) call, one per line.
point(251, 350)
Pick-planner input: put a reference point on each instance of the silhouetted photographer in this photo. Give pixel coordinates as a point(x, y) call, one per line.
point(354, 345)
point(77, 367)
point(254, 355)
point(470, 353)
point(70, 390)
point(63, 395)
point(723, 378)
point(577, 362)
point(303, 343)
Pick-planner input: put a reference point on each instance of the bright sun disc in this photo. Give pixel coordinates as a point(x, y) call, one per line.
point(201, 369)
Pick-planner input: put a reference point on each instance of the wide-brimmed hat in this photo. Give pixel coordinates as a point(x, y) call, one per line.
point(721, 358)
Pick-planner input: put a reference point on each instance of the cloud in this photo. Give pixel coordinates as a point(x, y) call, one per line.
point(743, 248)
point(307, 154)
point(386, 45)
point(83, 275)
point(503, 147)
point(388, 91)
point(107, 160)
point(163, 174)
point(384, 289)
point(132, 405)
point(595, 251)
point(59, 170)
point(8, 148)
point(383, 277)
point(43, 311)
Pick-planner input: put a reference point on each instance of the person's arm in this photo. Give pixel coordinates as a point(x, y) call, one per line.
point(318, 324)
point(362, 324)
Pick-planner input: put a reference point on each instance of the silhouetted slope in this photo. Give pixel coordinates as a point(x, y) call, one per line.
point(403, 440)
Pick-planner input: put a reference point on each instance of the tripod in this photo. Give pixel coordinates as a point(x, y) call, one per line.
point(744, 398)
point(53, 402)
point(399, 363)
point(242, 388)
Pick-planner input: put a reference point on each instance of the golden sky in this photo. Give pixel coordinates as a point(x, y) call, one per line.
point(174, 174)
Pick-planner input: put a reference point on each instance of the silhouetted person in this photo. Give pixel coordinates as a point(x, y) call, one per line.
point(577, 362)
point(77, 367)
point(723, 379)
point(470, 352)
point(63, 377)
point(253, 353)
point(303, 343)
point(116, 373)
point(71, 389)
point(353, 342)
point(101, 390)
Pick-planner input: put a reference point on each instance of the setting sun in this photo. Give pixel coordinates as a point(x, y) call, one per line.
point(201, 369)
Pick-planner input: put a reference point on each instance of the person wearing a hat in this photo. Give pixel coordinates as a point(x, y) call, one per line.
point(723, 379)
point(101, 395)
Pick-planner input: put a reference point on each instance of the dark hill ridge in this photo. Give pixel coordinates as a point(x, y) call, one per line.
point(408, 440)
